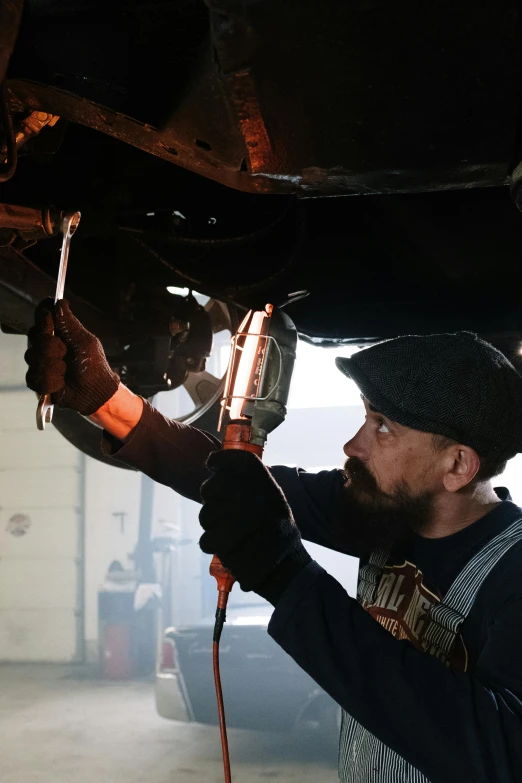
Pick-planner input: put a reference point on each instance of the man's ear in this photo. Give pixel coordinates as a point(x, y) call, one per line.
point(463, 466)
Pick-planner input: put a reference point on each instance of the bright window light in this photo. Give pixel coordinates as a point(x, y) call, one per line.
point(317, 383)
point(201, 298)
point(251, 620)
point(178, 291)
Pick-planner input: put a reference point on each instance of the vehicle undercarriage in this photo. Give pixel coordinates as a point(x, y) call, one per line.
point(355, 162)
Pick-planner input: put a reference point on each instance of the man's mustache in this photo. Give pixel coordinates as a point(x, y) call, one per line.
point(369, 518)
point(359, 477)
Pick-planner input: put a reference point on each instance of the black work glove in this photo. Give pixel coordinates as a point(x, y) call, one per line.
point(249, 524)
point(69, 365)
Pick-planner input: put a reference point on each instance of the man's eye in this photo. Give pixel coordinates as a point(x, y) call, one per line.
point(382, 426)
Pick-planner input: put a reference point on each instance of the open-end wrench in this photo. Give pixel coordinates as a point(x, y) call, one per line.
point(70, 221)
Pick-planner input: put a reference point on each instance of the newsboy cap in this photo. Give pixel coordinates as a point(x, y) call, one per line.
point(455, 385)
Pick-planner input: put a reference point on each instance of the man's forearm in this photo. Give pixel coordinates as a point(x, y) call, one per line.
point(121, 414)
point(168, 451)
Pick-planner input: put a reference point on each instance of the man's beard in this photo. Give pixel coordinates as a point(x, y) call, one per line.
point(369, 519)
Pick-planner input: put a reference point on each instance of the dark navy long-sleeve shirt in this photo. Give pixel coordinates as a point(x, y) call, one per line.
point(452, 724)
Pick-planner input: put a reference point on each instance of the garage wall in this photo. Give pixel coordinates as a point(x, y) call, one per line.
point(176, 517)
point(41, 561)
point(61, 526)
point(110, 492)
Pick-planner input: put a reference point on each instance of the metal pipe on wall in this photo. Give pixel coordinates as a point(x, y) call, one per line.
point(144, 555)
point(79, 656)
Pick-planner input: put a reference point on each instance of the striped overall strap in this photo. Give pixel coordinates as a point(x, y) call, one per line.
point(446, 618)
point(369, 576)
point(361, 754)
point(362, 757)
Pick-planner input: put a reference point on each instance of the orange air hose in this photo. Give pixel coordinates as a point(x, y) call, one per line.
point(237, 436)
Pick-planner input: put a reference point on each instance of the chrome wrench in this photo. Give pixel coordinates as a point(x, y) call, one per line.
point(70, 221)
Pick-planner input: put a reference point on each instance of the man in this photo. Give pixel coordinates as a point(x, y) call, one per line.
point(432, 691)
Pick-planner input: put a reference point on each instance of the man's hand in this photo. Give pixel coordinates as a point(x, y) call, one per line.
point(69, 365)
point(249, 524)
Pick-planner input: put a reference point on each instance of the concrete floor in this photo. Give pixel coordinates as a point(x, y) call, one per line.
point(59, 727)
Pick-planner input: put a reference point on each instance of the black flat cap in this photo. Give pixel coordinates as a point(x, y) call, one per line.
point(455, 385)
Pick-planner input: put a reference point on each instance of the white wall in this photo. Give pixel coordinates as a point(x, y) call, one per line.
point(40, 554)
point(512, 479)
point(177, 517)
point(13, 366)
point(65, 496)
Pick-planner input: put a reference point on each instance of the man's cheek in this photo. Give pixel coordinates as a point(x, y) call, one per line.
point(379, 474)
point(386, 476)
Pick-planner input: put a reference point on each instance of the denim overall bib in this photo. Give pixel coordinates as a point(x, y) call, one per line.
point(360, 752)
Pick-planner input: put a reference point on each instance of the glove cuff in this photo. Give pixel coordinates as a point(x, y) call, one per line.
point(89, 400)
point(283, 574)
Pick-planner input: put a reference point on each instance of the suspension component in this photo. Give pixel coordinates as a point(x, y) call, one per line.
point(28, 222)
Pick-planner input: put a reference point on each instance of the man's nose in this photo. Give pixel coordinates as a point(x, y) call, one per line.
point(356, 447)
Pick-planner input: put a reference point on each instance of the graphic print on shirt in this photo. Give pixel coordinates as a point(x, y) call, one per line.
point(402, 605)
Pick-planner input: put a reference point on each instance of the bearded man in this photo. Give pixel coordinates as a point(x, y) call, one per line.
point(427, 662)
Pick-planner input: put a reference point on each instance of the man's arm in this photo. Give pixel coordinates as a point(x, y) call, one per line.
point(121, 414)
point(68, 362)
point(166, 450)
point(315, 500)
point(452, 726)
point(175, 454)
